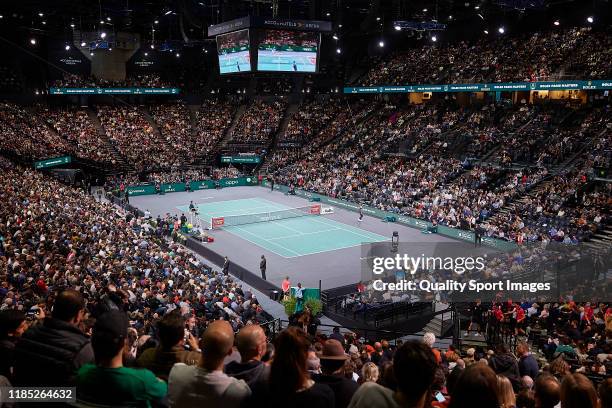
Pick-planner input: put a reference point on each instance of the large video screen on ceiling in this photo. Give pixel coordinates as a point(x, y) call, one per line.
point(233, 51)
point(288, 51)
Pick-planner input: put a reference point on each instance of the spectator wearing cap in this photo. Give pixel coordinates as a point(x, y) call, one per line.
point(57, 347)
point(107, 381)
point(251, 344)
point(12, 325)
point(414, 366)
point(173, 337)
point(333, 359)
point(206, 385)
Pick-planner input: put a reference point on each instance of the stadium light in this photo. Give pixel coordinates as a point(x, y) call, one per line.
point(71, 25)
point(486, 32)
point(156, 22)
point(101, 21)
point(67, 47)
point(83, 44)
point(424, 10)
point(108, 19)
point(398, 28)
point(40, 14)
point(556, 22)
point(335, 37)
point(450, 17)
point(476, 7)
point(152, 46)
point(91, 53)
point(1, 16)
point(146, 54)
point(103, 35)
point(110, 48)
point(434, 38)
point(338, 51)
point(44, 23)
point(33, 41)
point(381, 44)
point(590, 19)
point(178, 55)
point(340, 25)
point(501, 30)
point(167, 13)
point(377, 18)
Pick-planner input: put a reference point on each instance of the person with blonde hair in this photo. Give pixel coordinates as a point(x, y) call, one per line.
point(369, 372)
point(505, 392)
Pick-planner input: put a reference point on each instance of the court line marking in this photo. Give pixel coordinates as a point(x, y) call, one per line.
point(259, 243)
point(270, 206)
point(303, 233)
point(346, 229)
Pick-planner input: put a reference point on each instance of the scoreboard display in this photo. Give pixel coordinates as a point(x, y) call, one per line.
point(261, 44)
point(234, 53)
point(288, 51)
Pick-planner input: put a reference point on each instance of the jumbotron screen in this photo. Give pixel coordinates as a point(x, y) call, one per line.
point(233, 51)
point(288, 51)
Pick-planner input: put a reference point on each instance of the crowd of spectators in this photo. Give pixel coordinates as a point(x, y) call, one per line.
point(136, 81)
point(310, 119)
point(259, 123)
point(274, 86)
point(212, 120)
point(66, 260)
point(431, 182)
point(174, 123)
point(28, 135)
point(76, 127)
point(136, 139)
point(528, 57)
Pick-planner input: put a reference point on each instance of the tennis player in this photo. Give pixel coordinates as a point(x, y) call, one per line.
point(360, 213)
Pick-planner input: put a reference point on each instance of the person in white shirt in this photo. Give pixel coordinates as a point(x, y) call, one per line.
point(206, 385)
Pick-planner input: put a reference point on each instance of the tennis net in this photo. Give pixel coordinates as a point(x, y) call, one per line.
point(231, 220)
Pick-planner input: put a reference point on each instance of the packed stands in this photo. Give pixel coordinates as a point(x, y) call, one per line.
point(541, 54)
point(213, 118)
point(28, 135)
point(136, 139)
point(75, 126)
point(259, 123)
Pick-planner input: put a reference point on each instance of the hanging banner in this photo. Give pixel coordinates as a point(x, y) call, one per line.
point(598, 84)
point(113, 91)
point(56, 161)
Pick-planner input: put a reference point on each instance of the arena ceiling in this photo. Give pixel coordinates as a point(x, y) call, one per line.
point(186, 20)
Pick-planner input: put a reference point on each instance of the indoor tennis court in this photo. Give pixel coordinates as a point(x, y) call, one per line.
point(291, 237)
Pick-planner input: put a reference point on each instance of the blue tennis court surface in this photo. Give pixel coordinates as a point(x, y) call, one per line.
point(290, 237)
point(286, 61)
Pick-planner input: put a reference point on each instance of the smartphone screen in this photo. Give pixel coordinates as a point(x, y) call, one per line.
point(440, 397)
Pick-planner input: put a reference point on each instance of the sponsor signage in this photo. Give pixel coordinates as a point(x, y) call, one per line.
point(56, 161)
point(599, 84)
point(251, 159)
point(114, 91)
point(274, 23)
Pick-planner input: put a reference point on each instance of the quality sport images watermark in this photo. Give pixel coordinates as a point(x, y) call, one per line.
point(456, 271)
